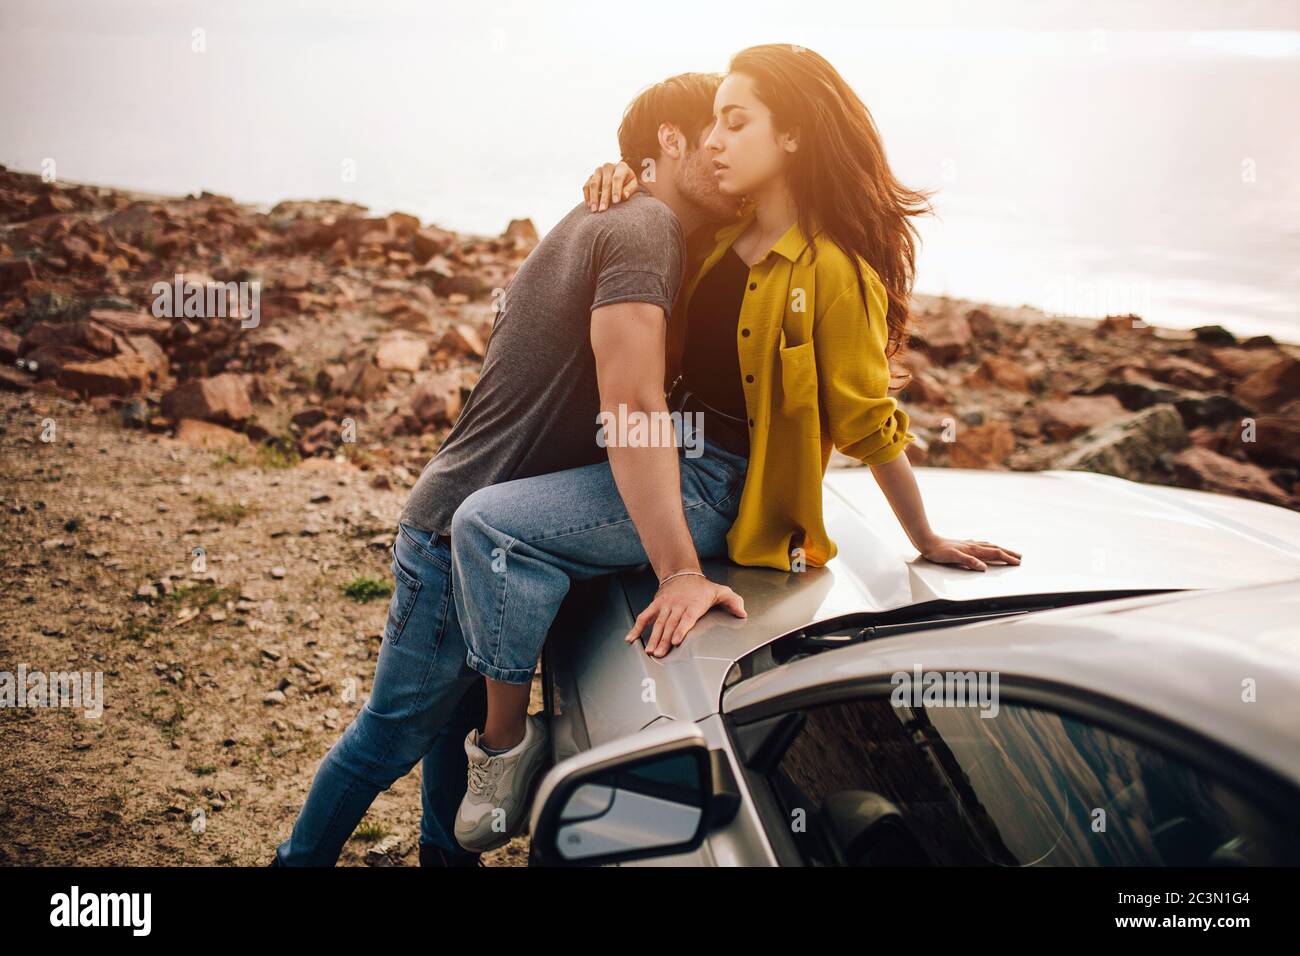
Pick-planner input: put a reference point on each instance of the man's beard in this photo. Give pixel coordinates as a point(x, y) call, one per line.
point(696, 184)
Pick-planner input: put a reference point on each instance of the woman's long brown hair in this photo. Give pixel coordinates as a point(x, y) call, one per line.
point(839, 176)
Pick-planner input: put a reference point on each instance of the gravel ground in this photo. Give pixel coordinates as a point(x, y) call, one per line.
point(225, 679)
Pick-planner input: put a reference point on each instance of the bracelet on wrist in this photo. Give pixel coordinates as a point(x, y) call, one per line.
point(678, 574)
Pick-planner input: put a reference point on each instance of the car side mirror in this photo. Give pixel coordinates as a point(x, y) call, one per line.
point(654, 793)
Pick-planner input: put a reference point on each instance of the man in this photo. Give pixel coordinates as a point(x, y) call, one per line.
point(567, 312)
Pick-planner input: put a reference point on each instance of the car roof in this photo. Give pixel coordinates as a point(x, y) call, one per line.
point(1182, 657)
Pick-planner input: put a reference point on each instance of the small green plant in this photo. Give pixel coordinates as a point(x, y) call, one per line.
point(225, 512)
point(370, 831)
point(203, 771)
point(201, 595)
point(171, 726)
point(363, 588)
point(137, 630)
point(279, 452)
point(358, 456)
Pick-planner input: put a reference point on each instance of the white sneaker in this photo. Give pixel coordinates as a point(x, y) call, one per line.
point(497, 796)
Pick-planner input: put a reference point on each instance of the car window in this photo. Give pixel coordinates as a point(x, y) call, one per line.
point(864, 782)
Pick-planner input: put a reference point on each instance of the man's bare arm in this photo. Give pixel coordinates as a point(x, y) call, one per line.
point(628, 339)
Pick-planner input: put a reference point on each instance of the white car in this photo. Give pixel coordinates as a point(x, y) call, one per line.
point(1128, 695)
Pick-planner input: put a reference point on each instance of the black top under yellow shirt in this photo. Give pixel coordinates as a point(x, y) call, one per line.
point(711, 363)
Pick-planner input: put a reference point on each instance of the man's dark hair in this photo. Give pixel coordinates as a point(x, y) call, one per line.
point(684, 101)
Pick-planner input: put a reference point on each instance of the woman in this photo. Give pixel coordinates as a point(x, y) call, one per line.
point(820, 318)
point(790, 323)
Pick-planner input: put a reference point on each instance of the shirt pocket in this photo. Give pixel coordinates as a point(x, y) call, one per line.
point(798, 375)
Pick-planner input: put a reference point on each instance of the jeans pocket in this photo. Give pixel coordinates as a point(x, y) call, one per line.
point(406, 588)
point(720, 486)
point(731, 500)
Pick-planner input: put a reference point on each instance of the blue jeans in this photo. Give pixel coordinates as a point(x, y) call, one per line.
point(516, 547)
point(423, 702)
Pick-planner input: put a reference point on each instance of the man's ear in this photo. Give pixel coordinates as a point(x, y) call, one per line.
point(671, 141)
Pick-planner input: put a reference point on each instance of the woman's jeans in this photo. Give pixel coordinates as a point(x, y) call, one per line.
point(516, 546)
point(423, 703)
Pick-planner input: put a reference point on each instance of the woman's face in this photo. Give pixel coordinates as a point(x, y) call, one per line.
point(746, 149)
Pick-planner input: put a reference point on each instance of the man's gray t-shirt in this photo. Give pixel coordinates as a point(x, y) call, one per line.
point(534, 410)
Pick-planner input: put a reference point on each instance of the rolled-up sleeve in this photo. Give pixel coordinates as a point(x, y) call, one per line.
point(853, 377)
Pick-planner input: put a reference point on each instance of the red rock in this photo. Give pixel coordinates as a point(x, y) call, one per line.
point(132, 323)
point(1064, 419)
point(14, 272)
point(222, 398)
point(295, 277)
point(138, 223)
point(1028, 425)
point(1272, 386)
point(149, 350)
point(273, 343)
point(9, 344)
point(1241, 363)
point(1184, 373)
point(1276, 438)
point(436, 270)
point(14, 380)
point(47, 360)
point(280, 304)
point(469, 284)
point(982, 325)
point(430, 242)
point(922, 389)
point(401, 353)
point(437, 401)
point(201, 434)
point(982, 446)
point(362, 379)
point(1123, 325)
point(462, 340)
point(308, 417)
point(1214, 439)
point(1002, 372)
point(124, 374)
point(947, 337)
point(322, 437)
point(1209, 471)
point(315, 235)
point(913, 360)
point(521, 233)
point(402, 225)
point(82, 334)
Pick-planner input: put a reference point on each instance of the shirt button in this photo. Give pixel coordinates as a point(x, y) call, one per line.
point(744, 332)
point(749, 378)
point(753, 286)
point(751, 423)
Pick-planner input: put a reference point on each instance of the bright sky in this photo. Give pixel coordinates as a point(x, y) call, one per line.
point(1108, 137)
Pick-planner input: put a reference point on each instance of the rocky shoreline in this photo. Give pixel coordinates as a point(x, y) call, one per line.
point(369, 333)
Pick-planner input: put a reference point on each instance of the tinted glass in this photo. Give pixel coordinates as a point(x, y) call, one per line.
point(1024, 787)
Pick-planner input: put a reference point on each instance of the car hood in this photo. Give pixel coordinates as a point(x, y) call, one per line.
point(1076, 531)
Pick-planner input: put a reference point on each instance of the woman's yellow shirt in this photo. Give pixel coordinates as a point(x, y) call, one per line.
point(815, 377)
